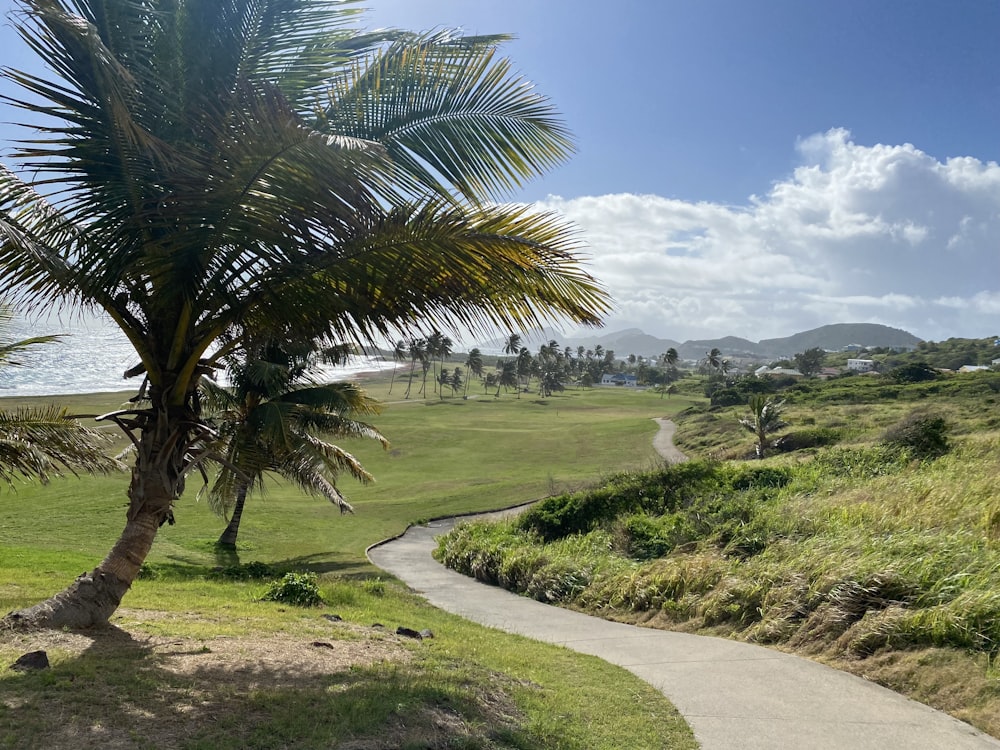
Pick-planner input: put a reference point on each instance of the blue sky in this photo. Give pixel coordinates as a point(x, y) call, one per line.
point(758, 169)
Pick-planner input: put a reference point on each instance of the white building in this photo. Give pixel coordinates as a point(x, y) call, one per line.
point(861, 365)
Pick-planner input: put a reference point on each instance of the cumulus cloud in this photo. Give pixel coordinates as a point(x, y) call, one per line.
point(856, 234)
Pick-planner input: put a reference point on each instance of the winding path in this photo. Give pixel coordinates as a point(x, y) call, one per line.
point(736, 696)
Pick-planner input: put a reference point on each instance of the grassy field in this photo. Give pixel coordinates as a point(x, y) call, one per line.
point(198, 661)
point(855, 548)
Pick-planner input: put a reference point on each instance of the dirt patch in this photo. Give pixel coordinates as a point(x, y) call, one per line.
point(116, 688)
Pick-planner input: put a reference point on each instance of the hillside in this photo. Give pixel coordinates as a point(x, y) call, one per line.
point(634, 341)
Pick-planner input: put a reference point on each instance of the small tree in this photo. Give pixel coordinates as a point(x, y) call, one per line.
point(764, 418)
point(810, 362)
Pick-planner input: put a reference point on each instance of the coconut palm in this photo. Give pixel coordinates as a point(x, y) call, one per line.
point(512, 344)
point(399, 353)
point(474, 365)
point(764, 418)
point(418, 353)
point(506, 376)
point(210, 172)
point(274, 418)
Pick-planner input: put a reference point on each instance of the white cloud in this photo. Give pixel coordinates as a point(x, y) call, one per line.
point(883, 234)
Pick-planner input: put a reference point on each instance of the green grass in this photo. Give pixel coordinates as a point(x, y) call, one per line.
point(862, 553)
point(202, 662)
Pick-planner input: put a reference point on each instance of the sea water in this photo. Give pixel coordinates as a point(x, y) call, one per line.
point(92, 356)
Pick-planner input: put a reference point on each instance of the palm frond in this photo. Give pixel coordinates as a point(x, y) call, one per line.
point(452, 116)
point(38, 443)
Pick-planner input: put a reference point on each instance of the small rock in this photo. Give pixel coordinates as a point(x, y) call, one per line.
point(426, 633)
point(322, 644)
point(31, 660)
point(333, 618)
point(377, 625)
point(408, 632)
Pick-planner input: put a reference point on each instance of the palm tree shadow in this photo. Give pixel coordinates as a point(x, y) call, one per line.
point(240, 692)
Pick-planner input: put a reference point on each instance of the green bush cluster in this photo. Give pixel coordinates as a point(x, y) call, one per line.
point(251, 571)
point(299, 589)
point(922, 434)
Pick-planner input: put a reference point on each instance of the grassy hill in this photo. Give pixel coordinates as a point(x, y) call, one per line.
point(866, 541)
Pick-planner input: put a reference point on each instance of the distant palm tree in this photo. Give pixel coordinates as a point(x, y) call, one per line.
point(399, 353)
point(512, 344)
point(474, 364)
point(418, 353)
point(507, 376)
point(764, 418)
point(273, 419)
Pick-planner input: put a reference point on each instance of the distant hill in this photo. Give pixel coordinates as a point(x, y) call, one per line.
point(838, 336)
point(830, 337)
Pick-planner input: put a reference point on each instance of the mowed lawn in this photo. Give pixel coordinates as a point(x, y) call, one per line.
point(447, 456)
point(198, 661)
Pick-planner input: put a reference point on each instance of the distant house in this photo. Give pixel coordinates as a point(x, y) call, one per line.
point(860, 365)
point(829, 372)
point(776, 372)
point(619, 379)
point(973, 368)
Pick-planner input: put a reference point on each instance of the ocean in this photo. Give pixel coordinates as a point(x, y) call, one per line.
point(92, 357)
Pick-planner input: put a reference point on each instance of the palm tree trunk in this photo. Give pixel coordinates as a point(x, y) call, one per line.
point(157, 478)
point(228, 538)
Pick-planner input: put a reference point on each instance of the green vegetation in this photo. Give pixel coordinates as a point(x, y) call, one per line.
point(869, 538)
point(199, 659)
point(294, 179)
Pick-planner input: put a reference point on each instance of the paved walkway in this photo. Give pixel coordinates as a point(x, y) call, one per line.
point(736, 696)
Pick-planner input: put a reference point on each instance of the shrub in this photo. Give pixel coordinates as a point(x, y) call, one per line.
point(809, 438)
point(251, 571)
point(922, 434)
point(300, 589)
point(656, 492)
point(643, 537)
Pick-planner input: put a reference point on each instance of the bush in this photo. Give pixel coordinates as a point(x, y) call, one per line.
point(809, 438)
point(251, 571)
point(300, 589)
point(922, 434)
point(656, 493)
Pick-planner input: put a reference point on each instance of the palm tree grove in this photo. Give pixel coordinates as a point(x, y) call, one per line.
point(213, 175)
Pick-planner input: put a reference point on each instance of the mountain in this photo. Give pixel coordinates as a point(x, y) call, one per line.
point(634, 341)
point(837, 337)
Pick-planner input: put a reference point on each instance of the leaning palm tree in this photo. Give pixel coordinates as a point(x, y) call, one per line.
point(399, 352)
point(210, 172)
point(764, 418)
point(474, 365)
point(274, 418)
point(512, 344)
point(417, 349)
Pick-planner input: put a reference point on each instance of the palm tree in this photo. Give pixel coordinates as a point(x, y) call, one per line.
point(273, 419)
point(418, 353)
point(506, 376)
point(474, 364)
point(524, 363)
point(223, 171)
point(763, 419)
point(512, 344)
point(399, 353)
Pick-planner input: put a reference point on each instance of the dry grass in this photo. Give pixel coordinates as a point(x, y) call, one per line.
point(198, 679)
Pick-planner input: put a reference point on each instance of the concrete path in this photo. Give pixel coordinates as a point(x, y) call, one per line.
point(735, 696)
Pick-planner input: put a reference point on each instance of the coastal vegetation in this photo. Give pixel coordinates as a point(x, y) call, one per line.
point(197, 658)
point(868, 536)
point(212, 175)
